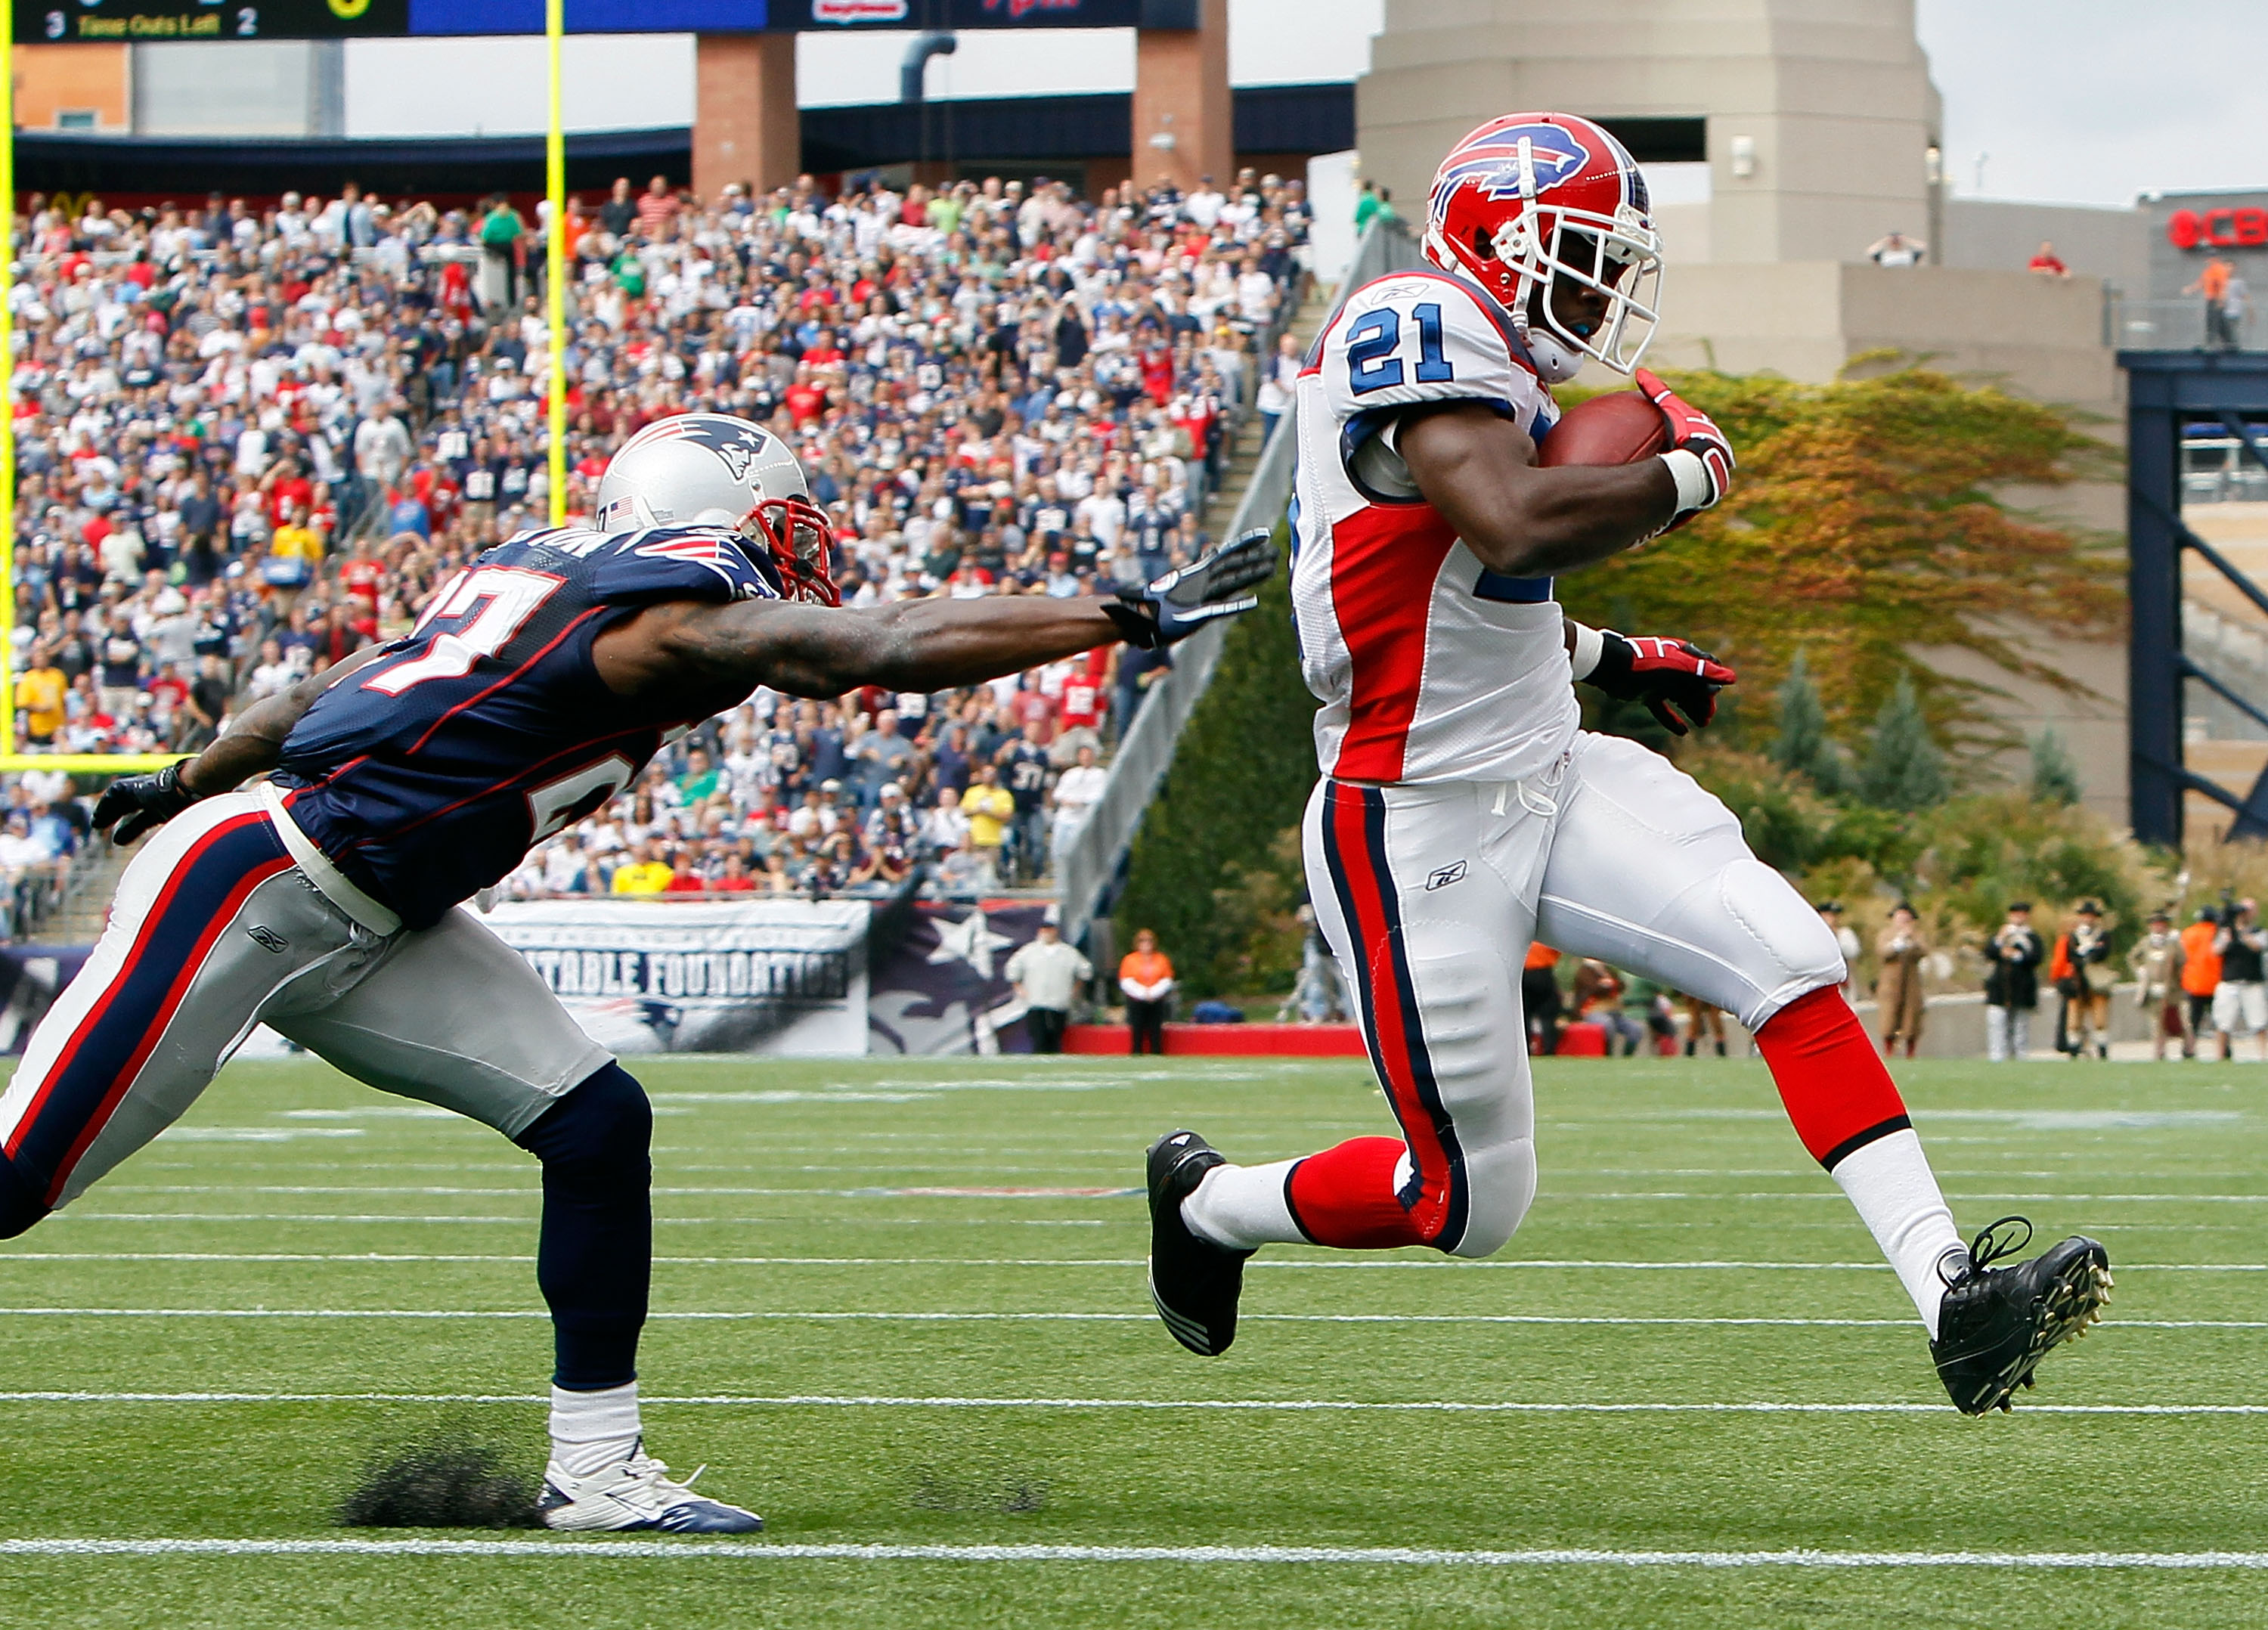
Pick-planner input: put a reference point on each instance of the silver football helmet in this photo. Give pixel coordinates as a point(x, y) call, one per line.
point(711, 469)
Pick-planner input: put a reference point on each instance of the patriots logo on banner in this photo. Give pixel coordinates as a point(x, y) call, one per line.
point(737, 445)
point(1493, 164)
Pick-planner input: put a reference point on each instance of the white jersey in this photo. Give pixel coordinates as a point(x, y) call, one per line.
point(1429, 667)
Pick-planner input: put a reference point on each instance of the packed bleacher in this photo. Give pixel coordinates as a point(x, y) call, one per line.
point(251, 441)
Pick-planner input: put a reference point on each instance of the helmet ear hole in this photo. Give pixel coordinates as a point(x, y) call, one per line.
point(1483, 244)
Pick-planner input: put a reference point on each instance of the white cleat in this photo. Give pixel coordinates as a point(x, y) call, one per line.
point(637, 1493)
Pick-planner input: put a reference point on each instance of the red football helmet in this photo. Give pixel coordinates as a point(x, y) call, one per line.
point(1531, 198)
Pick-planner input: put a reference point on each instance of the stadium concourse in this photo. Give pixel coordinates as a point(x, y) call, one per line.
point(250, 443)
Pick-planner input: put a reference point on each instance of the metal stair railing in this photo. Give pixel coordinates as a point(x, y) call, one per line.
point(1087, 875)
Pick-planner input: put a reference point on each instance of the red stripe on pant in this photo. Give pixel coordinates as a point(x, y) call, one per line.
point(156, 1028)
point(1345, 1196)
point(126, 971)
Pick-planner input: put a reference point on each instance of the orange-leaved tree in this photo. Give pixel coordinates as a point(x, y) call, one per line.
point(1862, 526)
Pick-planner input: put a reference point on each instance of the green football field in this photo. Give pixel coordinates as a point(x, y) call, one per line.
point(899, 1305)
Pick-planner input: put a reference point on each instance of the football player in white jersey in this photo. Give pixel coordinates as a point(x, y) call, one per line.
point(1463, 813)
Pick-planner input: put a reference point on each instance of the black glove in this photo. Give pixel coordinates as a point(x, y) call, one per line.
point(142, 804)
point(1661, 673)
point(1218, 584)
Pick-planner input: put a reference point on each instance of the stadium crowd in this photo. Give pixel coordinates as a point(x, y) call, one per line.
point(251, 441)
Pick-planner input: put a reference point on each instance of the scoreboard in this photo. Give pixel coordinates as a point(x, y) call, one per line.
point(73, 22)
point(127, 22)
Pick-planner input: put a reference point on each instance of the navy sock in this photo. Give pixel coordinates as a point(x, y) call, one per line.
point(596, 1255)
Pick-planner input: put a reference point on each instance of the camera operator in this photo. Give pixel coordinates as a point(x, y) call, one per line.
point(2012, 985)
point(2240, 1007)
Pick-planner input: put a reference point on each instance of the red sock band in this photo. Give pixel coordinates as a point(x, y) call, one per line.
point(1835, 1086)
point(1344, 1197)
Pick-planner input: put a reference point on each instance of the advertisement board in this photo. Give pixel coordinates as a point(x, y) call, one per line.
point(761, 975)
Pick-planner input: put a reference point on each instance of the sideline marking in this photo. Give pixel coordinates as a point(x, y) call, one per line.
point(722, 1550)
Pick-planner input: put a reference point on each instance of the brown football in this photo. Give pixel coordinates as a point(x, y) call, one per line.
point(1620, 427)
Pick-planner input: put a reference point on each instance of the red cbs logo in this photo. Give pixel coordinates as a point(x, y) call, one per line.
point(2218, 229)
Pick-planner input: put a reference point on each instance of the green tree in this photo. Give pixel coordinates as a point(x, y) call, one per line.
point(2055, 778)
point(1802, 745)
point(1903, 768)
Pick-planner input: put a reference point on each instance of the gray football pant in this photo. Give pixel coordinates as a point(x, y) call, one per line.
point(217, 927)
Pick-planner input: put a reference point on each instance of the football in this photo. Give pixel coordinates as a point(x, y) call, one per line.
point(1620, 427)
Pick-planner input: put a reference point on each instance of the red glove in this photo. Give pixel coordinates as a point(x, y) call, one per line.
point(1700, 456)
point(1661, 673)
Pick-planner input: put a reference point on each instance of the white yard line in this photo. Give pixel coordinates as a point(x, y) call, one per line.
point(1234, 1406)
point(944, 1317)
point(714, 1550)
point(1350, 1264)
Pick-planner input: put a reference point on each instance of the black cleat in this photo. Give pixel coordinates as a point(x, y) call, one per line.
point(1996, 1323)
point(1194, 1282)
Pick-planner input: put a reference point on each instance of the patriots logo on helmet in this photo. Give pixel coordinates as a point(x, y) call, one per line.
point(1493, 164)
point(738, 445)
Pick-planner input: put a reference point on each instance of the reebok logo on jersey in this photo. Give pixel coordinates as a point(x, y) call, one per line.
point(267, 939)
point(1442, 876)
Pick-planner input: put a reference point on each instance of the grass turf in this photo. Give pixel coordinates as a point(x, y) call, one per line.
point(816, 1218)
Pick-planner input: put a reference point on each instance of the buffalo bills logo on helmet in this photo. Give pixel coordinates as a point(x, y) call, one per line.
point(737, 443)
point(1492, 163)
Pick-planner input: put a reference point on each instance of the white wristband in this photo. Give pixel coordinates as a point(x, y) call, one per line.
point(1695, 490)
point(1589, 643)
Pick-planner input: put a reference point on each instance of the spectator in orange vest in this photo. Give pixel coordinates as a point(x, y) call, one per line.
point(2212, 284)
point(2200, 978)
point(1147, 979)
point(1539, 996)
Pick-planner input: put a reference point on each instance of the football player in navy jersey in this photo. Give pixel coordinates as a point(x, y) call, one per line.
point(325, 899)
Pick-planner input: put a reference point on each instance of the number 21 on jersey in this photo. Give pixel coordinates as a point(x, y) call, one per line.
point(1375, 343)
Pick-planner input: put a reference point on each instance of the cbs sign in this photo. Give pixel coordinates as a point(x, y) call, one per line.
point(2218, 229)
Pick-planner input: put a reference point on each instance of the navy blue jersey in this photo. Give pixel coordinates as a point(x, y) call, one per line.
point(426, 775)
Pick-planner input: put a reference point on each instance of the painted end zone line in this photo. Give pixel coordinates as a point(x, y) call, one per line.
point(686, 1551)
point(1328, 1405)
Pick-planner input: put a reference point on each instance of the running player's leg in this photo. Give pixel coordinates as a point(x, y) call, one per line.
point(1421, 893)
point(457, 1018)
point(211, 922)
point(1649, 871)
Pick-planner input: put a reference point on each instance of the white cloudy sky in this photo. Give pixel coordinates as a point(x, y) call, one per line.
point(2079, 102)
point(2091, 101)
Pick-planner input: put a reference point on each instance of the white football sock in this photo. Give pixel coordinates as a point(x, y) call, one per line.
point(1244, 1207)
point(1890, 1181)
point(591, 1431)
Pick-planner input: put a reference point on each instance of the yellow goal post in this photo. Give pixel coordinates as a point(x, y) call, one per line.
point(555, 155)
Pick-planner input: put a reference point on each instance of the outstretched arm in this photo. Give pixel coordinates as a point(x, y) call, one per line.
point(686, 648)
point(695, 655)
